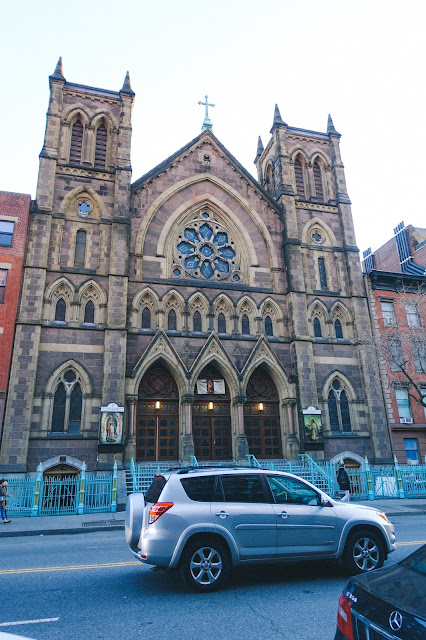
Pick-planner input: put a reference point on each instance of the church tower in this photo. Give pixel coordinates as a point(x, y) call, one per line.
point(70, 344)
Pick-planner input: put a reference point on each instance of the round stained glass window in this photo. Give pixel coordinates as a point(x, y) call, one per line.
point(316, 237)
point(83, 208)
point(205, 250)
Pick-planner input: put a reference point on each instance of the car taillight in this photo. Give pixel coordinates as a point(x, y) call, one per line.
point(344, 618)
point(157, 510)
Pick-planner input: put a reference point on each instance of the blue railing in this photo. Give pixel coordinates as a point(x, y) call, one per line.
point(69, 495)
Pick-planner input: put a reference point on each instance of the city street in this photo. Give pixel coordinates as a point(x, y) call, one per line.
point(89, 586)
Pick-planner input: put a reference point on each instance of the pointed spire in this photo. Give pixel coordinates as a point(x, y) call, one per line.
point(59, 72)
point(127, 87)
point(278, 121)
point(331, 128)
point(260, 148)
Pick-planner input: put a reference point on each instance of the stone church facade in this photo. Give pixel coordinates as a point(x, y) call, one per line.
point(213, 307)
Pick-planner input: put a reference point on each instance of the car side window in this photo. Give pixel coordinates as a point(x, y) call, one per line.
point(200, 489)
point(290, 491)
point(243, 488)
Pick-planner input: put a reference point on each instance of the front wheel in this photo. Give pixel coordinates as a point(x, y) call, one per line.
point(205, 565)
point(364, 552)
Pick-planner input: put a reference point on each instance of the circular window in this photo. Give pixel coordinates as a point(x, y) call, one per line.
point(316, 237)
point(83, 208)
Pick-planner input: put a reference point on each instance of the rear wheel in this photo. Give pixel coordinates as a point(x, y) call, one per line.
point(364, 552)
point(205, 565)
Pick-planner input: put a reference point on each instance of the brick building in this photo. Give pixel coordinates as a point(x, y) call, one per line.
point(14, 216)
point(197, 311)
point(396, 283)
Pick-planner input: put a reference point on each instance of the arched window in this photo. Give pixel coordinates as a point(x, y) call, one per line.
point(197, 326)
point(322, 273)
point(338, 408)
point(269, 329)
point(101, 146)
point(89, 313)
point(298, 174)
point(221, 323)
point(146, 318)
point(338, 328)
point(245, 325)
point(317, 328)
point(80, 248)
point(67, 404)
point(318, 181)
point(60, 310)
point(76, 142)
point(171, 320)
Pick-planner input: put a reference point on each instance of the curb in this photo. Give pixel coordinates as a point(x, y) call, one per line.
point(59, 532)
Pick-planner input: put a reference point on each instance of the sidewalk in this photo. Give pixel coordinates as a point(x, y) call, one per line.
point(89, 522)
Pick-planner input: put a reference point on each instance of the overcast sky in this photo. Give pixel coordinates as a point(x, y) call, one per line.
point(362, 61)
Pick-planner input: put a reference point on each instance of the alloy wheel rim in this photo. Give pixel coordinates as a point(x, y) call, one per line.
point(366, 554)
point(206, 565)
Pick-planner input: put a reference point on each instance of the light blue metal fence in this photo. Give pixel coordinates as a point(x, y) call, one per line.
point(97, 495)
point(21, 498)
point(413, 480)
point(59, 496)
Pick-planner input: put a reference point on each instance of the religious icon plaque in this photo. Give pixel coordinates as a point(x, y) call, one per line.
point(111, 424)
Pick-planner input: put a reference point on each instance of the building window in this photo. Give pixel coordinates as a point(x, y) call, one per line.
point(338, 328)
point(322, 273)
point(395, 353)
point(3, 278)
point(221, 323)
point(101, 147)
point(80, 248)
point(67, 404)
point(388, 313)
point(269, 329)
point(60, 310)
point(89, 313)
point(76, 142)
point(403, 402)
point(298, 174)
point(412, 312)
point(411, 446)
point(6, 233)
point(317, 328)
point(196, 320)
point(171, 320)
point(423, 392)
point(338, 408)
point(146, 318)
point(245, 325)
point(420, 355)
point(318, 181)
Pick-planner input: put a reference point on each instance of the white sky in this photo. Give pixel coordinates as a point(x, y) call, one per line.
point(362, 61)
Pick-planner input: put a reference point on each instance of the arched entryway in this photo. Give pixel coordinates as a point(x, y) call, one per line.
point(211, 417)
point(262, 416)
point(157, 416)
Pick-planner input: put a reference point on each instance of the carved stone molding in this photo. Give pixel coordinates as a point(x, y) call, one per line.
point(316, 207)
point(77, 171)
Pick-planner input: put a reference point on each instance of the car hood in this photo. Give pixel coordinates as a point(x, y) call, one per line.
point(400, 587)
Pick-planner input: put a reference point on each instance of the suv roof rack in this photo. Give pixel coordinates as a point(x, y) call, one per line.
point(208, 467)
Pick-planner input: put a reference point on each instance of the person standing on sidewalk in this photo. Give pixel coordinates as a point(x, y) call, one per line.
point(343, 482)
point(3, 501)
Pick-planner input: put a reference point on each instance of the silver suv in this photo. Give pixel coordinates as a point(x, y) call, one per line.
point(206, 520)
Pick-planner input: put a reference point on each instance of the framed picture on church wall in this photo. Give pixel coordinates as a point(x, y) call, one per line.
point(111, 424)
point(313, 428)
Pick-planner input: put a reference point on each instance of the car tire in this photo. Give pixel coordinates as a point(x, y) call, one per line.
point(364, 552)
point(205, 565)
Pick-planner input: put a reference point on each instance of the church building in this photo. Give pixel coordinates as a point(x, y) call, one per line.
point(196, 312)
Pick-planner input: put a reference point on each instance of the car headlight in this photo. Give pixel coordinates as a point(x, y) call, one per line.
point(383, 515)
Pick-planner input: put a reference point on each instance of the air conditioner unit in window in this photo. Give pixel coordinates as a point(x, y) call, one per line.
point(406, 420)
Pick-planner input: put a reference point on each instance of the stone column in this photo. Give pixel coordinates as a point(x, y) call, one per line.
point(187, 445)
point(292, 444)
point(130, 447)
point(242, 448)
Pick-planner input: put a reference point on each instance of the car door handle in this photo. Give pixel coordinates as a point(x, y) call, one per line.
point(222, 514)
point(283, 514)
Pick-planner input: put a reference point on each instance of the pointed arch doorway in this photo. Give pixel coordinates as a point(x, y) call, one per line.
point(211, 419)
point(157, 416)
point(262, 416)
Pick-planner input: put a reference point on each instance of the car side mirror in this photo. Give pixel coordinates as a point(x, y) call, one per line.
point(325, 502)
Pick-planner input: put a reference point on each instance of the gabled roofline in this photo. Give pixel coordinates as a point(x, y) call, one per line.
point(160, 168)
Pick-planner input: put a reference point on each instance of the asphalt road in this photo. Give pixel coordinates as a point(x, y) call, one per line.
point(89, 586)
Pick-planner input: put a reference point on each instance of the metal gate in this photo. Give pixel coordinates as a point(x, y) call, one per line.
point(59, 495)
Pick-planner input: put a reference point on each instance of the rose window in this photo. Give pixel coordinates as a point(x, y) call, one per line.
point(204, 250)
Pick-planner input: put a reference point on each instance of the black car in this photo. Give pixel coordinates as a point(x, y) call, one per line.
point(388, 603)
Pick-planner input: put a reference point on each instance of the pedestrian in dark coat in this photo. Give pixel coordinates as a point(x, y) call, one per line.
point(343, 482)
point(3, 502)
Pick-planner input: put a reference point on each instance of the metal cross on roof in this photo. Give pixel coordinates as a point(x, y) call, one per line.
point(207, 124)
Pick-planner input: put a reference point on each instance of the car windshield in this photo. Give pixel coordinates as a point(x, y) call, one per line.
point(416, 561)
